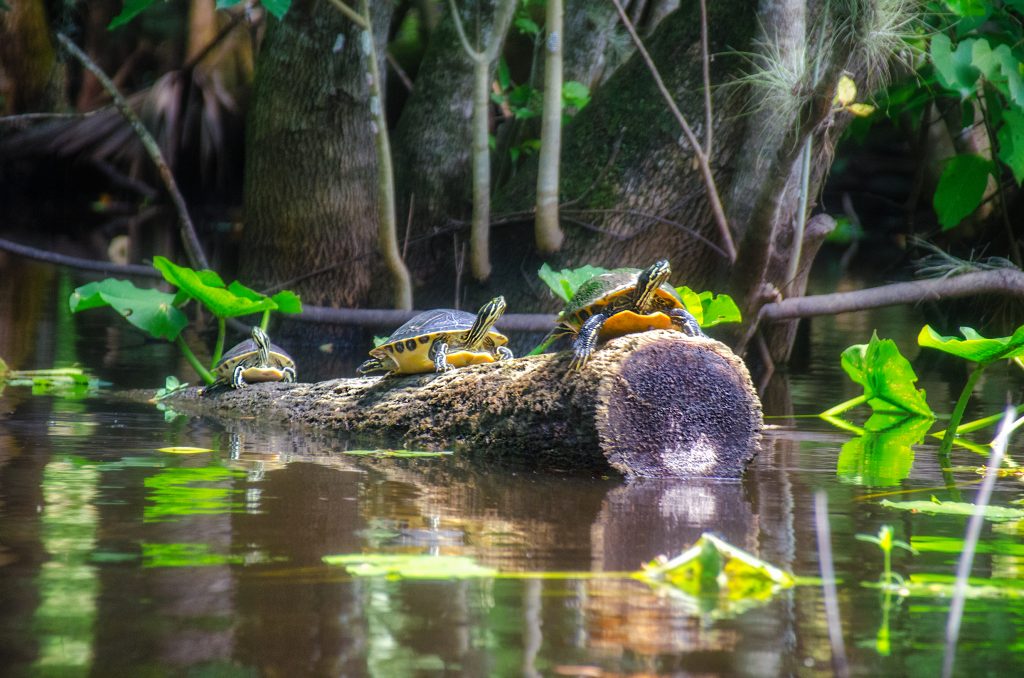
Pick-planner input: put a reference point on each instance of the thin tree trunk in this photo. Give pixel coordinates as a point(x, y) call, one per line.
point(31, 79)
point(547, 229)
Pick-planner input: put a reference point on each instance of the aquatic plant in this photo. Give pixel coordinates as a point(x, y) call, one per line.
point(160, 314)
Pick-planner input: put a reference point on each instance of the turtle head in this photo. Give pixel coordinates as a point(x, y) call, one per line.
point(485, 319)
point(262, 342)
point(648, 282)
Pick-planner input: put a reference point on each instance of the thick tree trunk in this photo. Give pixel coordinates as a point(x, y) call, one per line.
point(31, 79)
point(654, 404)
point(311, 172)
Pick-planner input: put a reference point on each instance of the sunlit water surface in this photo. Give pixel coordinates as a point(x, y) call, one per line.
point(118, 559)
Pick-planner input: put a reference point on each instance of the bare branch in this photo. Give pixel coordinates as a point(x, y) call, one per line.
point(351, 14)
point(1007, 281)
point(78, 262)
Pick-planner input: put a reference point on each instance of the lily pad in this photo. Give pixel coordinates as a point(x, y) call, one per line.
point(152, 311)
point(207, 288)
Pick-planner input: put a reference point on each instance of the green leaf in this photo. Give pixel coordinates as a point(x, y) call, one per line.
point(504, 75)
point(970, 7)
point(954, 69)
point(961, 188)
point(410, 566)
point(1003, 69)
point(526, 25)
point(575, 94)
point(287, 302)
point(398, 454)
point(882, 457)
point(227, 4)
point(719, 309)
point(994, 513)
point(693, 303)
point(955, 545)
point(277, 7)
point(132, 8)
point(974, 347)
point(207, 288)
point(564, 283)
point(152, 311)
point(1011, 142)
point(887, 377)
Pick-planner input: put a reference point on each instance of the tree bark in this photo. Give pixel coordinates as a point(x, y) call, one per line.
point(311, 170)
point(31, 79)
point(654, 404)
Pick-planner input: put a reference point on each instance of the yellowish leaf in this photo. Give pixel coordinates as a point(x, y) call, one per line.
point(846, 91)
point(861, 110)
point(184, 450)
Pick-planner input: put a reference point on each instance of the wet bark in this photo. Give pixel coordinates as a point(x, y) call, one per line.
point(311, 172)
point(656, 404)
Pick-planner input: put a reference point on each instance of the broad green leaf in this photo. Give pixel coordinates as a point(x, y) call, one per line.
point(961, 188)
point(504, 74)
point(287, 302)
point(974, 347)
point(954, 69)
point(564, 283)
point(527, 25)
point(693, 303)
point(882, 457)
point(886, 376)
point(277, 7)
point(410, 566)
point(1011, 142)
point(970, 7)
point(957, 508)
point(575, 94)
point(1004, 72)
point(150, 310)
point(719, 309)
point(219, 300)
point(131, 9)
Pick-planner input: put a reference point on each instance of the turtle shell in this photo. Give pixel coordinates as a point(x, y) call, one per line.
point(612, 292)
point(409, 346)
point(247, 353)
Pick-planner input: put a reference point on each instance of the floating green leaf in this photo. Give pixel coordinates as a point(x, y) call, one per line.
point(955, 545)
point(957, 508)
point(961, 188)
point(410, 566)
point(712, 566)
point(564, 283)
point(974, 347)
point(150, 310)
point(886, 376)
point(885, 456)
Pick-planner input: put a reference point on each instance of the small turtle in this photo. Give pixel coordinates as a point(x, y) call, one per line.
point(251, 361)
point(624, 301)
point(440, 340)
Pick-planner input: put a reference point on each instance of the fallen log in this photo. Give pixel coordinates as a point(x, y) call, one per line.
point(654, 404)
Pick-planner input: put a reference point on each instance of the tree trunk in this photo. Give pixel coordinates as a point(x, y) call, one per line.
point(31, 79)
point(653, 404)
point(311, 172)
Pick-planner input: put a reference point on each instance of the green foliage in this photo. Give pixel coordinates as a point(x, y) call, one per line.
point(708, 308)
point(961, 188)
point(1011, 143)
point(564, 283)
point(995, 514)
point(152, 311)
point(159, 313)
point(882, 455)
point(886, 543)
point(133, 8)
point(171, 385)
point(175, 493)
point(887, 378)
point(974, 347)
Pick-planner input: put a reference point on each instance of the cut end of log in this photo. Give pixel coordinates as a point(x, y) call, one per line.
point(676, 406)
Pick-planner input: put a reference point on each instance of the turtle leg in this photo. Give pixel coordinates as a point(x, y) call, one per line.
point(439, 351)
point(237, 381)
point(585, 341)
point(505, 353)
point(685, 322)
point(289, 374)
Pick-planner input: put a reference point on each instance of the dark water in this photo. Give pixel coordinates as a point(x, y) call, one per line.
point(120, 560)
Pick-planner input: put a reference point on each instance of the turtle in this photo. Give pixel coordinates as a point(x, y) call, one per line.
point(623, 301)
point(441, 340)
point(251, 361)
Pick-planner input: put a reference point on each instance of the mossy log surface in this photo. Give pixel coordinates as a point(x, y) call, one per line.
point(655, 404)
